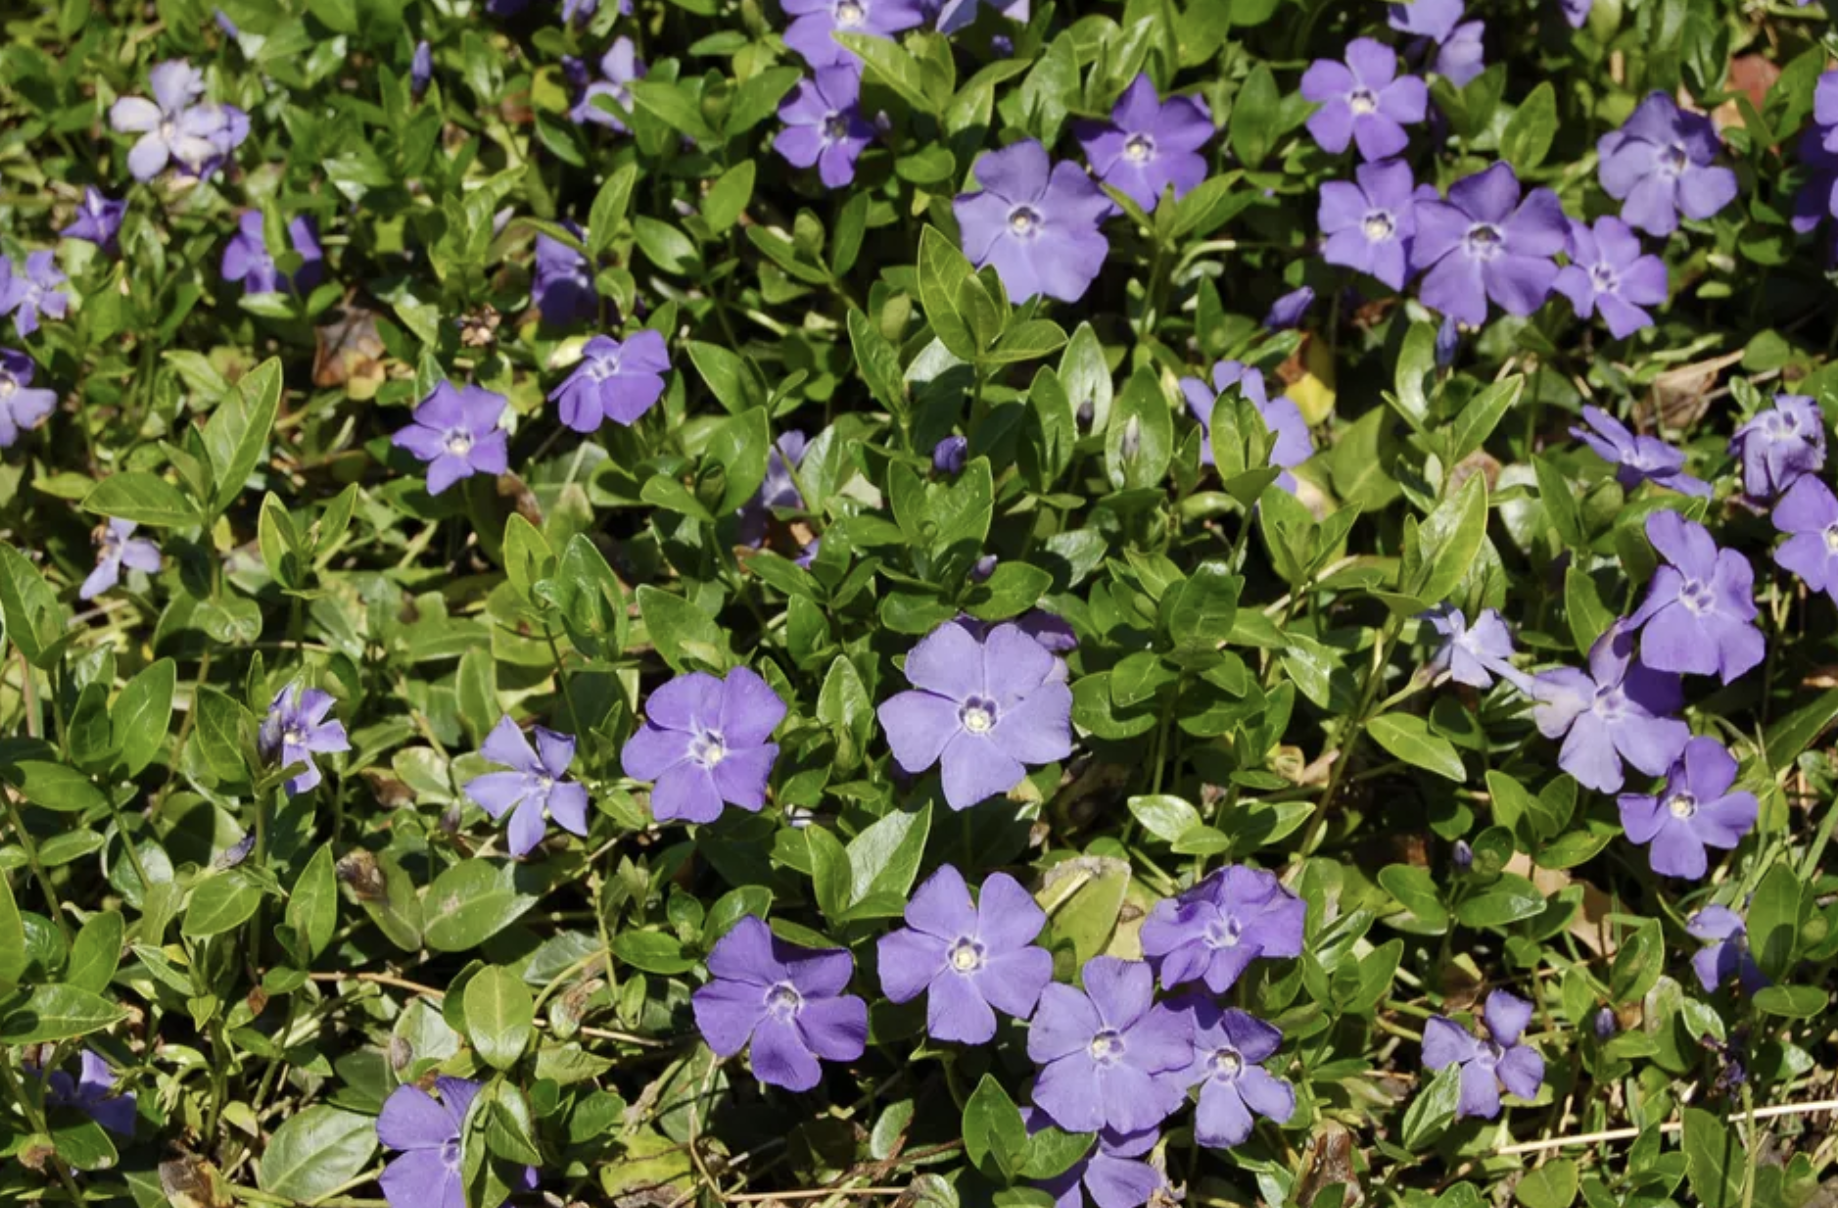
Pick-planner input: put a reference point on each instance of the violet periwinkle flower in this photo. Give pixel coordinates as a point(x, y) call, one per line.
point(429, 1136)
point(1472, 654)
point(1149, 145)
point(1727, 954)
point(982, 568)
point(1825, 108)
point(614, 381)
point(1036, 221)
point(705, 742)
point(1213, 932)
point(580, 11)
point(1779, 445)
point(1502, 1060)
point(948, 455)
point(1462, 57)
point(1699, 613)
point(295, 729)
point(1485, 243)
point(1288, 311)
point(1112, 1174)
point(954, 16)
point(984, 708)
point(1609, 273)
point(1364, 101)
point(1054, 633)
point(1229, 1049)
point(1462, 856)
point(1370, 221)
point(1281, 417)
point(26, 295)
point(1448, 341)
point(1576, 12)
point(456, 432)
point(786, 1000)
point(534, 785)
point(90, 1093)
point(1459, 53)
point(1636, 458)
point(246, 258)
point(1809, 511)
point(1606, 1024)
point(1432, 19)
point(1695, 810)
point(1662, 163)
point(169, 125)
point(98, 219)
point(1817, 198)
point(1108, 1056)
point(1615, 711)
point(779, 490)
point(116, 545)
point(813, 21)
point(825, 126)
point(22, 405)
point(970, 960)
point(562, 283)
point(421, 68)
point(619, 66)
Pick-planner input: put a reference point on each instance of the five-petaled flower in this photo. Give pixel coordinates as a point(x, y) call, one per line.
point(28, 294)
point(786, 1000)
point(1149, 145)
point(619, 66)
point(1472, 654)
point(1036, 221)
point(1370, 222)
point(1109, 1057)
point(1611, 275)
point(1809, 511)
point(22, 405)
point(98, 219)
point(532, 787)
point(970, 960)
point(814, 21)
point(1485, 243)
point(614, 381)
point(562, 282)
point(1229, 1049)
point(1617, 710)
point(1697, 809)
point(246, 257)
point(170, 126)
point(91, 1092)
point(778, 490)
point(1636, 458)
point(1662, 163)
point(1113, 1173)
point(1281, 417)
point(825, 126)
point(1502, 1060)
point(116, 546)
point(1364, 100)
point(429, 1136)
point(295, 729)
point(1726, 953)
point(1780, 445)
point(1699, 613)
point(1216, 929)
point(456, 432)
point(705, 742)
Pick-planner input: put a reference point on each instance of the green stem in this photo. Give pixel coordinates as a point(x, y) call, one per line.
point(38, 870)
point(1355, 727)
point(35, 1117)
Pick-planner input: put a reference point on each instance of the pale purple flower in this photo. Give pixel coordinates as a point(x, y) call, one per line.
point(954, 16)
point(89, 1093)
point(1606, 1024)
point(705, 742)
point(98, 219)
point(116, 545)
point(1617, 710)
point(1636, 458)
point(170, 126)
point(22, 406)
point(579, 11)
point(970, 960)
point(1364, 101)
point(1699, 613)
point(1448, 341)
point(1112, 1174)
point(421, 68)
point(246, 258)
point(1461, 57)
point(948, 455)
point(1817, 198)
point(1281, 417)
point(786, 1000)
point(1728, 952)
point(295, 729)
point(825, 126)
point(1809, 511)
point(1370, 222)
point(1502, 1060)
point(1036, 221)
point(1696, 810)
point(1472, 654)
point(1576, 12)
point(27, 295)
point(534, 785)
point(1825, 108)
point(1149, 144)
point(779, 490)
point(1780, 444)
point(1485, 243)
point(1108, 1057)
point(429, 1136)
point(562, 285)
point(456, 432)
point(1432, 19)
point(619, 66)
point(1288, 311)
point(1213, 932)
point(1610, 273)
point(1229, 1049)
point(1662, 163)
point(984, 708)
point(813, 21)
point(614, 381)
point(982, 568)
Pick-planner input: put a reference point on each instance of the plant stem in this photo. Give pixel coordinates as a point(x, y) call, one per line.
point(36, 1118)
point(38, 870)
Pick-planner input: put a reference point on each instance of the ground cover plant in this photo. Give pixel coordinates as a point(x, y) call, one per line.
point(1016, 604)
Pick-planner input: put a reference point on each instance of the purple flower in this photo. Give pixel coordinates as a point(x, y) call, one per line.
point(1229, 1047)
point(296, 729)
point(116, 544)
point(1148, 145)
point(1448, 341)
point(704, 742)
point(1462, 856)
point(421, 68)
point(619, 66)
point(788, 1001)
point(21, 405)
point(1370, 225)
point(1282, 417)
point(1053, 633)
point(779, 490)
point(983, 707)
point(1663, 162)
point(982, 568)
point(1363, 100)
point(562, 285)
point(1825, 108)
point(1817, 198)
point(614, 381)
point(1036, 221)
point(1458, 58)
point(1615, 711)
point(1699, 613)
point(957, 15)
point(1473, 655)
point(1606, 1024)
point(815, 20)
point(533, 786)
point(1696, 810)
point(1287, 311)
point(1485, 243)
point(580, 11)
point(1728, 954)
point(1461, 57)
point(1108, 1058)
point(26, 296)
point(1809, 511)
point(89, 1093)
point(246, 258)
point(1217, 928)
point(170, 126)
point(824, 124)
point(1576, 12)
point(948, 454)
point(1779, 445)
point(429, 1135)
point(967, 958)
point(1608, 273)
point(98, 219)
point(456, 432)
point(1113, 1174)
point(1487, 1065)
point(1432, 19)
point(1636, 458)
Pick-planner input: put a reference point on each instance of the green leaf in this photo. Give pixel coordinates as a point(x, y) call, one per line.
point(1792, 1002)
point(1165, 816)
point(995, 1138)
point(1560, 503)
point(885, 858)
point(832, 879)
point(1416, 361)
point(1139, 443)
point(741, 445)
point(1418, 893)
point(53, 786)
point(731, 377)
point(312, 908)
point(12, 938)
point(878, 364)
point(1589, 618)
point(220, 903)
point(1774, 920)
point(667, 247)
point(141, 714)
point(55, 1012)
point(652, 952)
point(609, 209)
point(1528, 134)
point(683, 634)
point(1205, 606)
point(470, 902)
point(1409, 738)
point(34, 619)
point(674, 105)
point(727, 198)
point(888, 61)
point(95, 953)
point(1553, 1185)
point(237, 433)
point(1254, 121)
point(1450, 538)
point(1715, 1162)
point(1052, 1151)
point(500, 1016)
point(1027, 341)
point(316, 1151)
point(1484, 411)
point(1789, 737)
point(942, 272)
point(142, 497)
point(1433, 1110)
point(527, 556)
point(218, 733)
point(1083, 898)
point(280, 544)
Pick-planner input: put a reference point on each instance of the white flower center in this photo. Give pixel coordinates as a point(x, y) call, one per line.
point(1022, 220)
point(459, 442)
point(1138, 148)
point(294, 736)
point(1362, 102)
point(783, 1000)
point(1225, 1063)
point(1611, 705)
point(708, 748)
point(7, 385)
point(977, 715)
point(1378, 226)
point(1682, 805)
point(1224, 933)
point(966, 955)
point(1484, 240)
point(1831, 539)
point(1674, 160)
point(1106, 1047)
point(850, 12)
point(1603, 278)
point(835, 127)
point(1696, 595)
